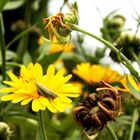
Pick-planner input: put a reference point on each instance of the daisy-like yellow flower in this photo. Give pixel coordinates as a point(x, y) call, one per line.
point(83, 70)
point(61, 47)
point(56, 47)
point(96, 73)
point(44, 91)
point(125, 87)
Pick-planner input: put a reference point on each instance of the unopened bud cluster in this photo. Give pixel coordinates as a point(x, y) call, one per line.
point(112, 26)
point(128, 43)
point(5, 131)
point(59, 26)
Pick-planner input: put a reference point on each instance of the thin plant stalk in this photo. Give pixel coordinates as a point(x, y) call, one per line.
point(25, 39)
point(135, 57)
point(19, 36)
point(11, 64)
point(125, 61)
point(111, 131)
point(2, 47)
point(42, 126)
point(134, 119)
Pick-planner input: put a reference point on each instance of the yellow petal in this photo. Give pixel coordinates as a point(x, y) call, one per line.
point(26, 101)
point(12, 76)
point(7, 97)
point(30, 66)
point(7, 89)
point(38, 72)
point(133, 83)
point(47, 103)
point(69, 90)
point(19, 97)
point(23, 71)
point(65, 100)
point(58, 104)
point(10, 83)
point(59, 81)
point(60, 72)
point(50, 72)
point(36, 105)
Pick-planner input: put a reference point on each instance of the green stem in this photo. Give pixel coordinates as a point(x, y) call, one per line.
point(11, 64)
point(2, 47)
point(111, 131)
point(19, 36)
point(83, 51)
point(135, 57)
point(109, 45)
point(25, 39)
point(134, 119)
point(41, 121)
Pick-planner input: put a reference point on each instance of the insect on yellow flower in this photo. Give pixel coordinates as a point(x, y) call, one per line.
point(50, 90)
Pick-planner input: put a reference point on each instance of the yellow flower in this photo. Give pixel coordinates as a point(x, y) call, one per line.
point(32, 72)
point(50, 90)
point(125, 87)
point(96, 73)
point(79, 85)
point(83, 70)
point(60, 47)
point(56, 47)
point(40, 41)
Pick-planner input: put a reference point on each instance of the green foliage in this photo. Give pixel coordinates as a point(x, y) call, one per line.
point(12, 5)
point(134, 92)
point(2, 4)
point(20, 45)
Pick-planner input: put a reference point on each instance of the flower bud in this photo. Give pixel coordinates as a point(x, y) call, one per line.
point(80, 38)
point(112, 26)
point(100, 52)
point(64, 32)
point(70, 18)
point(129, 44)
point(116, 22)
point(5, 131)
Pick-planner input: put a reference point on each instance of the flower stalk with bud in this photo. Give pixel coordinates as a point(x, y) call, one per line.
point(61, 26)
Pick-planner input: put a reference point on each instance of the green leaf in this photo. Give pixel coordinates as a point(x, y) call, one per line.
point(11, 5)
point(75, 6)
point(44, 49)
point(134, 92)
point(27, 58)
point(2, 4)
point(49, 59)
point(136, 115)
point(73, 57)
point(10, 55)
point(28, 123)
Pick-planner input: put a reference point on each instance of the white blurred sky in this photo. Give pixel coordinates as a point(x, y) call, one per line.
point(90, 18)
